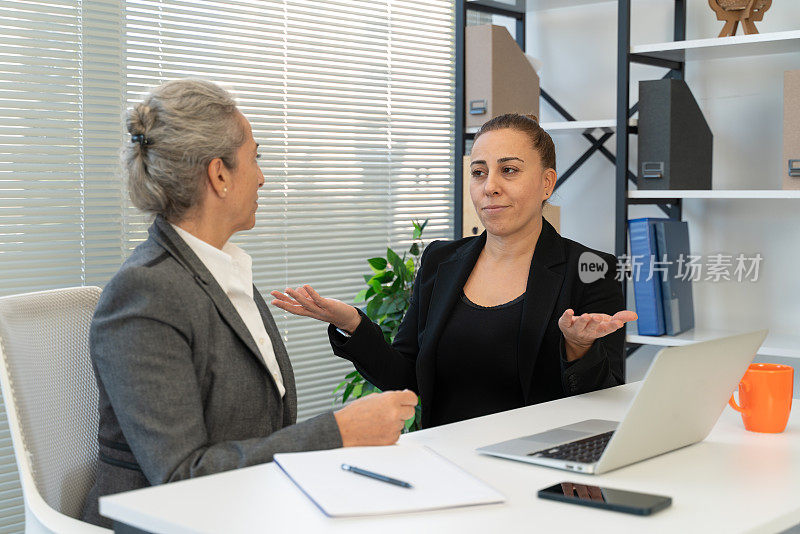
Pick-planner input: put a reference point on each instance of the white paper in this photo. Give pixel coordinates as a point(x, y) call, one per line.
point(437, 482)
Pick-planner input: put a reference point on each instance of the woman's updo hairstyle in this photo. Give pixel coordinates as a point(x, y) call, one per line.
point(529, 125)
point(176, 131)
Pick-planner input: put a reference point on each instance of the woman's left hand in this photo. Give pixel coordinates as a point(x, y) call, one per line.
point(581, 331)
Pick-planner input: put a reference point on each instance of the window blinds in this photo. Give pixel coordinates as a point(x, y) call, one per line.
point(60, 217)
point(352, 103)
point(60, 100)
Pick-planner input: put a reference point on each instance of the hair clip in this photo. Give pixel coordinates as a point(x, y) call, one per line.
point(141, 139)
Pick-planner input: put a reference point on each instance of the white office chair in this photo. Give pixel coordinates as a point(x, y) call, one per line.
point(50, 396)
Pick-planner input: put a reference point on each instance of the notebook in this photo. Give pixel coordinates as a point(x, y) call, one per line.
point(436, 482)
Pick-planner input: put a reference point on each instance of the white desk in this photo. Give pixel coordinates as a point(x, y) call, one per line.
point(734, 481)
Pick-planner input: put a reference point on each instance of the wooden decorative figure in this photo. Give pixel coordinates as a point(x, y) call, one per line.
point(735, 11)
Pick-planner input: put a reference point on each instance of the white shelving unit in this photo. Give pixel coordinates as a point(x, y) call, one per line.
point(748, 194)
point(780, 345)
point(538, 5)
point(608, 125)
point(569, 126)
point(723, 47)
point(784, 42)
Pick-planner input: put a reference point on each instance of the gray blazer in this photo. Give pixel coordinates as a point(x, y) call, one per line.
point(184, 391)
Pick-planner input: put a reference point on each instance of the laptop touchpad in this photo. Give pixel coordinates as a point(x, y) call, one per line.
point(554, 437)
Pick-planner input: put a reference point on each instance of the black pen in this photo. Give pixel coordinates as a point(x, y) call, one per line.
point(376, 476)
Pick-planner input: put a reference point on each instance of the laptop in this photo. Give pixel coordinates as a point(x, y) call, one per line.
point(678, 403)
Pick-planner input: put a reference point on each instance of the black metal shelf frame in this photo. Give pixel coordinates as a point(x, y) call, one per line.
point(596, 144)
point(672, 207)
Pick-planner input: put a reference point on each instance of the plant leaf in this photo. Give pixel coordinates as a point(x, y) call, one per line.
point(373, 306)
point(369, 387)
point(396, 285)
point(408, 424)
point(377, 264)
point(385, 277)
point(398, 307)
point(386, 327)
point(393, 258)
point(387, 298)
point(389, 305)
point(375, 285)
point(397, 264)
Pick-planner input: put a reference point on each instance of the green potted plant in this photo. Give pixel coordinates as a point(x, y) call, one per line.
point(386, 296)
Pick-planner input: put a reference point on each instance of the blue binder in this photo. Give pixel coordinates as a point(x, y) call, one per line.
point(646, 284)
point(672, 241)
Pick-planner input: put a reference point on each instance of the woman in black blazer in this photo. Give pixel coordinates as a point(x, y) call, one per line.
point(516, 316)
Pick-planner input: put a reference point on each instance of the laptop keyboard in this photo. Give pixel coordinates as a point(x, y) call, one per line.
point(587, 450)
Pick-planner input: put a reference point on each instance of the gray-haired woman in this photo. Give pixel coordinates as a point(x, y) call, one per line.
point(193, 375)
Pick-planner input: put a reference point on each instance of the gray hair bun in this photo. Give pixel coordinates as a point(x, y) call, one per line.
point(177, 129)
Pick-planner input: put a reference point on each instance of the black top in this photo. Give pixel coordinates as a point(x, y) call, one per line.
point(476, 362)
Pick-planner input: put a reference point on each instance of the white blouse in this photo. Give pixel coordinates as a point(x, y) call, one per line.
point(232, 268)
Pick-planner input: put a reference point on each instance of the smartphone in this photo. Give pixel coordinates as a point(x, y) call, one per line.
point(610, 499)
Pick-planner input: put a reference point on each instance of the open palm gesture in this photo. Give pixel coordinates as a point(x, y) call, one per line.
point(307, 302)
point(581, 331)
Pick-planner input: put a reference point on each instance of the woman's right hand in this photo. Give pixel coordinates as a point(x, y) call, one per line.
point(308, 303)
point(377, 419)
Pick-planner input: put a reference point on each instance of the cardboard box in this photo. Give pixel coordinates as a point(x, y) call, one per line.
point(471, 224)
point(791, 129)
point(499, 78)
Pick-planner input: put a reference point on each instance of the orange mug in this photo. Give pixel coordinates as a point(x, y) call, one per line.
point(765, 394)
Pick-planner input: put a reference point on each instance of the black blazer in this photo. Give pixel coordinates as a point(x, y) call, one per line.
point(553, 286)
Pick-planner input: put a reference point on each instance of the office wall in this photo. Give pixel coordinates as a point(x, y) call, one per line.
point(742, 100)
